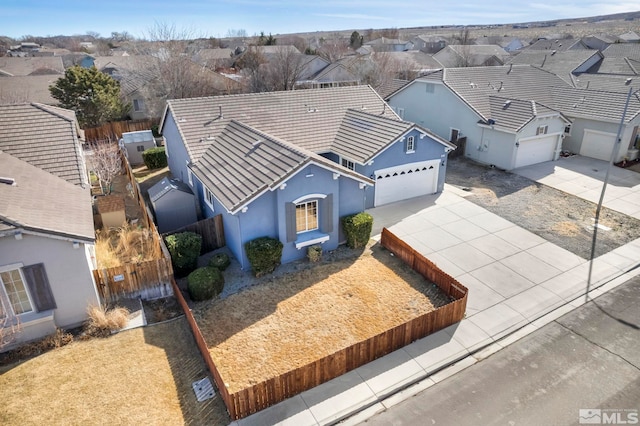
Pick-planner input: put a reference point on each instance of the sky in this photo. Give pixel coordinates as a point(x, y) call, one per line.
point(215, 18)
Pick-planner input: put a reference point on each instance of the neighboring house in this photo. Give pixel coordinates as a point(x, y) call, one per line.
point(599, 41)
point(629, 37)
point(471, 55)
point(510, 44)
point(429, 43)
point(556, 44)
point(623, 50)
point(136, 72)
point(214, 58)
point(23, 49)
point(46, 222)
point(289, 164)
point(332, 75)
point(81, 59)
point(21, 66)
point(414, 61)
point(391, 86)
point(564, 63)
point(384, 44)
point(544, 116)
point(30, 88)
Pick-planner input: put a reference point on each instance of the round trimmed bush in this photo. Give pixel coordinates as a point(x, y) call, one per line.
point(220, 261)
point(264, 254)
point(184, 248)
point(205, 283)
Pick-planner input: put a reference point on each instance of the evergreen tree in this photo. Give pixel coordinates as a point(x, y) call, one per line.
point(94, 96)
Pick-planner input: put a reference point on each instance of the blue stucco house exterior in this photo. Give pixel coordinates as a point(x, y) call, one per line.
point(289, 165)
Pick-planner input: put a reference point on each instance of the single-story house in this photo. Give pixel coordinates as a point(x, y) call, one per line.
point(46, 223)
point(471, 55)
point(289, 164)
point(517, 115)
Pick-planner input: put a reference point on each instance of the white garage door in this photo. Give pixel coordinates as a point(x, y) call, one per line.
point(406, 181)
point(534, 151)
point(597, 144)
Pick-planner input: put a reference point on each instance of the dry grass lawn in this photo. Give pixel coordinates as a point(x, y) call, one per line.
point(298, 318)
point(140, 376)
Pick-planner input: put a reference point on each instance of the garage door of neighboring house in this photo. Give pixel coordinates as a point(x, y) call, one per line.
point(597, 144)
point(536, 150)
point(406, 181)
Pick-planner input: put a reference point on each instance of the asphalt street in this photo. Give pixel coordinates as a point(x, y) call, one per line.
point(588, 359)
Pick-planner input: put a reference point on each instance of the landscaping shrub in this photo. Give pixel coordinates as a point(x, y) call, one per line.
point(264, 254)
point(314, 253)
point(155, 158)
point(205, 283)
point(357, 229)
point(184, 248)
point(220, 261)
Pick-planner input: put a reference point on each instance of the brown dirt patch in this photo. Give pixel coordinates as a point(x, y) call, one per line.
point(560, 218)
point(298, 318)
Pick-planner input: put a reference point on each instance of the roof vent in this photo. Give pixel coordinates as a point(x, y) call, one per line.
point(8, 181)
point(182, 120)
point(506, 104)
point(210, 137)
point(628, 81)
point(553, 52)
point(256, 143)
point(473, 85)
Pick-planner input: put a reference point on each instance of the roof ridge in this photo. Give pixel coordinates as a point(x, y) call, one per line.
point(45, 108)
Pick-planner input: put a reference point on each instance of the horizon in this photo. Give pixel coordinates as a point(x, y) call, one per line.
point(203, 19)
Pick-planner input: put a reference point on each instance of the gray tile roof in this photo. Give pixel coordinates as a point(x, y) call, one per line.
point(308, 118)
point(45, 137)
point(30, 88)
point(514, 114)
point(623, 50)
point(606, 82)
point(561, 63)
point(556, 44)
point(616, 66)
point(42, 202)
point(595, 104)
point(362, 135)
point(390, 86)
point(36, 65)
point(475, 85)
point(415, 59)
point(243, 162)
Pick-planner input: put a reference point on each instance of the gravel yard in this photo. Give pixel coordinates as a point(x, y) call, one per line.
point(560, 218)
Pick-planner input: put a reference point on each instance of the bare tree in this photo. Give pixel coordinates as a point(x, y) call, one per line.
point(105, 161)
point(284, 69)
point(251, 63)
point(334, 49)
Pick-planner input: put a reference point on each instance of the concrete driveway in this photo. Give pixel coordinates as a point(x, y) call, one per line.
point(513, 275)
point(583, 177)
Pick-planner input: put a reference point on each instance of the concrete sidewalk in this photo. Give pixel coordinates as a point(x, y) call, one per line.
point(514, 279)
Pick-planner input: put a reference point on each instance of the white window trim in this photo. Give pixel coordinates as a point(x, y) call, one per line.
point(545, 130)
point(208, 196)
point(307, 229)
point(346, 160)
point(4, 297)
point(411, 140)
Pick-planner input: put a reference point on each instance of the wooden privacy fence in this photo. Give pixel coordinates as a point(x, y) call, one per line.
point(211, 230)
point(115, 129)
point(148, 279)
point(261, 395)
